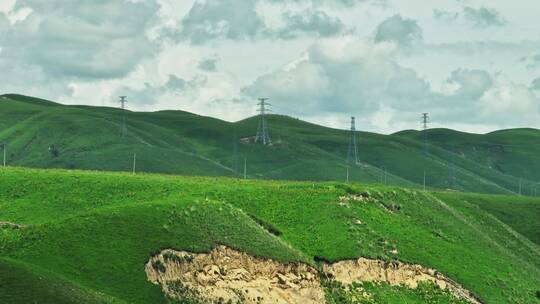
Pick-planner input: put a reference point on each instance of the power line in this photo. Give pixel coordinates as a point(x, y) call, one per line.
point(123, 128)
point(262, 130)
point(235, 154)
point(352, 152)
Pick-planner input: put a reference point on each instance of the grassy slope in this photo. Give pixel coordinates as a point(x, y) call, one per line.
point(514, 152)
point(183, 143)
point(22, 283)
point(98, 229)
point(520, 213)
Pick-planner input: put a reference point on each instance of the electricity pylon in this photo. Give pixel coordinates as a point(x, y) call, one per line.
point(123, 128)
point(262, 131)
point(352, 153)
point(425, 121)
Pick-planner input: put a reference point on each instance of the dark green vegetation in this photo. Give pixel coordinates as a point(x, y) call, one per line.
point(383, 293)
point(44, 134)
point(93, 232)
point(21, 283)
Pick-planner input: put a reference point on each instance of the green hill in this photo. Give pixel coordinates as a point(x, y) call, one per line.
point(45, 134)
point(92, 232)
point(512, 152)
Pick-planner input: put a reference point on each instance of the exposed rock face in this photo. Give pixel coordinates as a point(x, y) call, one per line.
point(366, 270)
point(226, 275)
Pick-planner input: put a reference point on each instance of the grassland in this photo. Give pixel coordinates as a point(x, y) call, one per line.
point(93, 231)
point(177, 142)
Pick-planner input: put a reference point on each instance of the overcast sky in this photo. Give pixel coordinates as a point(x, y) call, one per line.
point(473, 65)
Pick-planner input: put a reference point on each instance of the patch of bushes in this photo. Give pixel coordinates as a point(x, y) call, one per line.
point(171, 257)
point(158, 266)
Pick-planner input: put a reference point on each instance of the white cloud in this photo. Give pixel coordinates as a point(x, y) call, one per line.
point(471, 84)
point(310, 21)
point(97, 39)
point(483, 17)
point(399, 30)
point(321, 60)
point(535, 85)
point(358, 77)
point(208, 64)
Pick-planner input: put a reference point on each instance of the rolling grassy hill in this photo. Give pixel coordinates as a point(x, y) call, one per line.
point(178, 142)
point(72, 236)
point(514, 152)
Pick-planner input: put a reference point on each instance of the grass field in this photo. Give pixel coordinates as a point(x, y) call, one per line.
point(177, 142)
point(93, 232)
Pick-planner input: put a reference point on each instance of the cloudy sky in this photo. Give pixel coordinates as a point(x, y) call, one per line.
point(473, 65)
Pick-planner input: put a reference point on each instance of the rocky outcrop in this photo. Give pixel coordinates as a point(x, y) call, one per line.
point(393, 273)
point(225, 275)
point(228, 276)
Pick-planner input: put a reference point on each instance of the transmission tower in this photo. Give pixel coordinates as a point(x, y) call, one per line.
point(352, 153)
point(262, 131)
point(123, 128)
point(425, 121)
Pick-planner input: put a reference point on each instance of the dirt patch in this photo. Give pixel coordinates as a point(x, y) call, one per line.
point(225, 275)
point(393, 273)
point(228, 276)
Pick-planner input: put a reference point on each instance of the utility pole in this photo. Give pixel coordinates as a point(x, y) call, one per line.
point(352, 153)
point(134, 162)
point(262, 131)
point(123, 128)
point(347, 174)
point(235, 155)
point(4, 148)
point(245, 168)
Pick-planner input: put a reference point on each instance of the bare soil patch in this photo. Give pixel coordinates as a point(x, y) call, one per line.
point(225, 275)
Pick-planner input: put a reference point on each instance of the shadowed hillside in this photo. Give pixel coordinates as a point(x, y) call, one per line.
point(44, 134)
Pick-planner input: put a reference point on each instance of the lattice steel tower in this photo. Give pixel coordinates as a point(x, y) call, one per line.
point(425, 121)
point(352, 153)
point(262, 131)
point(123, 128)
